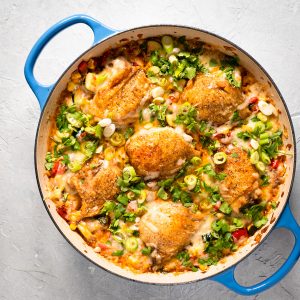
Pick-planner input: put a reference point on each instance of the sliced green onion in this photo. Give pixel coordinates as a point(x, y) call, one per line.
point(131, 195)
point(269, 125)
point(262, 117)
point(167, 43)
point(131, 244)
point(265, 158)
point(142, 197)
point(75, 166)
point(254, 158)
point(196, 160)
point(264, 142)
point(220, 158)
point(264, 136)
point(225, 208)
point(173, 59)
point(259, 127)
point(190, 72)
point(117, 139)
point(129, 173)
point(260, 166)
point(261, 222)
point(153, 45)
point(146, 251)
point(191, 181)
point(170, 118)
point(162, 194)
point(74, 119)
point(154, 69)
point(118, 253)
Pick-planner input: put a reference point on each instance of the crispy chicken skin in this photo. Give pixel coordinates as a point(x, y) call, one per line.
point(168, 227)
point(214, 99)
point(241, 179)
point(123, 95)
point(95, 183)
point(158, 152)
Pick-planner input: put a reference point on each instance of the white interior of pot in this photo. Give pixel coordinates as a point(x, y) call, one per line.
point(41, 150)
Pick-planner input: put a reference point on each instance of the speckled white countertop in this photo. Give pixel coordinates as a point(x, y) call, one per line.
point(35, 260)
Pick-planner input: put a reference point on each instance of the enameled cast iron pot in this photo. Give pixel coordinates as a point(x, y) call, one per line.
point(48, 95)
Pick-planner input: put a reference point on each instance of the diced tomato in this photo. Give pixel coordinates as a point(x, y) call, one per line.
point(83, 66)
point(58, 168)
point(103, 246)
point(242, 232)
point(62, 211)
point(217, 205)
point(274, 163)
point(253, 100)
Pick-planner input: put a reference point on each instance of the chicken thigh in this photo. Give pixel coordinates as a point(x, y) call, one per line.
point(215, 99)
point(168, 228)
point(158, 152)
point(95, 183)
point(241, 179)
point(123, 95)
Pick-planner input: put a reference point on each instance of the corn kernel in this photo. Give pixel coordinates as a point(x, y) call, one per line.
point(73, 226)
point(202, 268)
point(71, 86)
point(75, 77)
point(109, 153)
point(91, 64)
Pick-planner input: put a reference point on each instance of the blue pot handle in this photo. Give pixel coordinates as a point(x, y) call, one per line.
point(42, 91)
point(226, 278)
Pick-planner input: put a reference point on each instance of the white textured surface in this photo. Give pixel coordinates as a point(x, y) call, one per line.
point(35, 261)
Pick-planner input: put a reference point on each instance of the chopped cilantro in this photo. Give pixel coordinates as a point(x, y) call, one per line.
point(213, 62)
point(225, 208)
point(208, 169)
point(230, 77)
point(255, 213)
point(184, 257)
point(146, 251)
point(118, 253)
point(160, 112)
point(236, 117)
point(264, 180)
point(128, 133)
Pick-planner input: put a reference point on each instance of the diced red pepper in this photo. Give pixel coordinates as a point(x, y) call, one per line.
point(58, 168)
point(253, 100)
point(62, 211)
point(274, 163)
point(81, 136)
point(83, 66)
point(242, 232)
point(219, 136)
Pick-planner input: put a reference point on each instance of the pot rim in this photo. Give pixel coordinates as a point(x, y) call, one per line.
point(253, 60)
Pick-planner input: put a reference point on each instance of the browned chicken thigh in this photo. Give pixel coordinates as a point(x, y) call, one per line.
point(95, 183)
point(123, 95)
point(167, 227)
point(215, 99)
point(241, 179)
point(158, 152)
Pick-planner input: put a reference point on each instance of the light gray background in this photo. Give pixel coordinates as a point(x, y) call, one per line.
point(35, 260)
